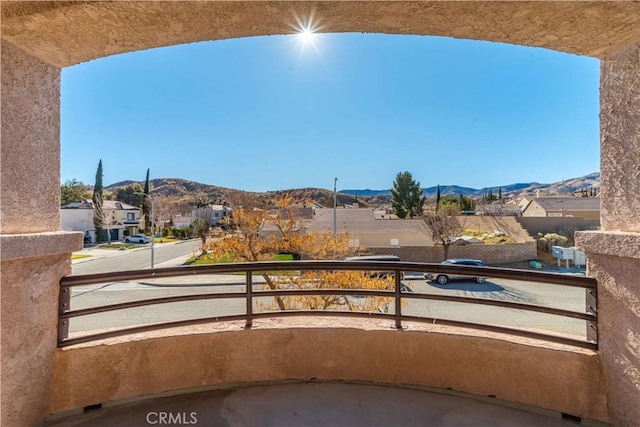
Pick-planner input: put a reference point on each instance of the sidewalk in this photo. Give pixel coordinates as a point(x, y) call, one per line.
point(98, 252)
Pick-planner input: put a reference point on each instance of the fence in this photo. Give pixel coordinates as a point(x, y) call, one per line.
point(490, 254)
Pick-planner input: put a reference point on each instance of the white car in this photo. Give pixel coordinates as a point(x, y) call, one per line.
point(138, 238)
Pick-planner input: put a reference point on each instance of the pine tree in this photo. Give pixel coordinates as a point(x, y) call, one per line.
point(437, 197)
point(407, 199)
point(97, 204)
point(145, 205)
point(500, 193)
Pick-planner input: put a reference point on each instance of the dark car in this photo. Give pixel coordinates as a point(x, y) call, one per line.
point(386, 258)
point(442, 278)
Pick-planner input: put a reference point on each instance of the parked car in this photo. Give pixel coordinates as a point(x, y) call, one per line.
point(137, 238)
point(417, 275)
point(442, 278)
point(388, 258)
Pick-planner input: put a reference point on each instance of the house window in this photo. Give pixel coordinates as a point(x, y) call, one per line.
point(131, 216)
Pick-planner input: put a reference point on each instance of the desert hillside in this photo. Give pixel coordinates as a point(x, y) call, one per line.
point(180, 196)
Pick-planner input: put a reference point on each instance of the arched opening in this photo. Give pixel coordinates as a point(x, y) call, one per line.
point(273, 113)
point(38, 39)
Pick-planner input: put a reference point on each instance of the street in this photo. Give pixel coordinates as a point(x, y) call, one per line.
point(105, 260)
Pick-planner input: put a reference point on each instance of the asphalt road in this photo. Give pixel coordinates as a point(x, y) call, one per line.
point(498, 289)
point(133, 259)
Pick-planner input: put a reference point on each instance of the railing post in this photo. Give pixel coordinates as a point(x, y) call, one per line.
point(63, 305)
point(398, 311)
point(249, 290)
point(591, 307)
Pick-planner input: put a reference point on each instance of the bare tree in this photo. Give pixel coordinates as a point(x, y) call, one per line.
point(104, 218)
point(445, 226)
point(201, 225)
point(251, 242)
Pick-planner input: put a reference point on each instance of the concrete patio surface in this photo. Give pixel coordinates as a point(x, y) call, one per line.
point(319, 404)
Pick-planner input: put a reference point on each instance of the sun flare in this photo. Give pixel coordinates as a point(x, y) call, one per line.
point(307, 35)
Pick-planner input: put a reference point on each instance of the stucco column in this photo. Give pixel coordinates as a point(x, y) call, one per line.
point(614, 253)
point(34, 253)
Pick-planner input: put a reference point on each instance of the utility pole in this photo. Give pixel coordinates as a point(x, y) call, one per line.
point(335, 206)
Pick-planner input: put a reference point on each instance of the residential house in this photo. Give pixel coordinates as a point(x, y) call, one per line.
point(181, 221)
point(580, 207)
point(120, 219)
point(372, 228)
point(522, 202)
point(213, 213)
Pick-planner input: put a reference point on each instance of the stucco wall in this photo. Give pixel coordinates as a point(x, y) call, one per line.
point(29, 335)
point(557, 225)
point(490, 254)
point(619, 331)
point(620, 140)
point(71, 32)
point(65, 33)
point(333, 349)
point(614, 260)
point(30, 146)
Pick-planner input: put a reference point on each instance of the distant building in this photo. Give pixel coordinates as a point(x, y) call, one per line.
point(181, 221)
point(580, 207)
point(213, 213)
point(124, 219)
point(372, 228)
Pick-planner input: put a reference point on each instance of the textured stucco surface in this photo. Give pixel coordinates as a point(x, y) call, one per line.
point(331, 349)
point(29, 144)
point(67, 33)
point(15, 246)
point(616, 243)
point(619, 332)
point(29, 336)
point(620, 140)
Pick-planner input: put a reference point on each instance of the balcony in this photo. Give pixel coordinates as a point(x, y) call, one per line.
point(226, 338)
point(39, 39)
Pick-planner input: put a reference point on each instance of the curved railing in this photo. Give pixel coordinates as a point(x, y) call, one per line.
point(397, 295)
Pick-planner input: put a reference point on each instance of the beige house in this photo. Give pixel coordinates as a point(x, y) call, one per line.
point(579, 207)
point(120, 219)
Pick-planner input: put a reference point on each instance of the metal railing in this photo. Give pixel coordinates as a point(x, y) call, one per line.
point(398, 295)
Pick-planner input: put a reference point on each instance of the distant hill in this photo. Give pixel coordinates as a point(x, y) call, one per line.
point(182, 195)
point(176, 195)
point(511, 190)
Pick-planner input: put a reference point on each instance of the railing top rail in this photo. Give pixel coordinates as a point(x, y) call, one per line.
point(243, 267)
point(250, 268)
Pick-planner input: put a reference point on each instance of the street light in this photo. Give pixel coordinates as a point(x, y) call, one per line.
point(153, 222)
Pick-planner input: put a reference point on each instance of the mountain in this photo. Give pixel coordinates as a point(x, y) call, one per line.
point(176, 195)
point(181, 196)
point(511, 190)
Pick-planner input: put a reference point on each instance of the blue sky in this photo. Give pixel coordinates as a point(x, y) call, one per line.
point(273, 113)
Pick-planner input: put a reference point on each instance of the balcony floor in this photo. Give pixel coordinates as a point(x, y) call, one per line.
point(315, 404)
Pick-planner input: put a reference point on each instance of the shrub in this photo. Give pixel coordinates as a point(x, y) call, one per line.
point(552, 239)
